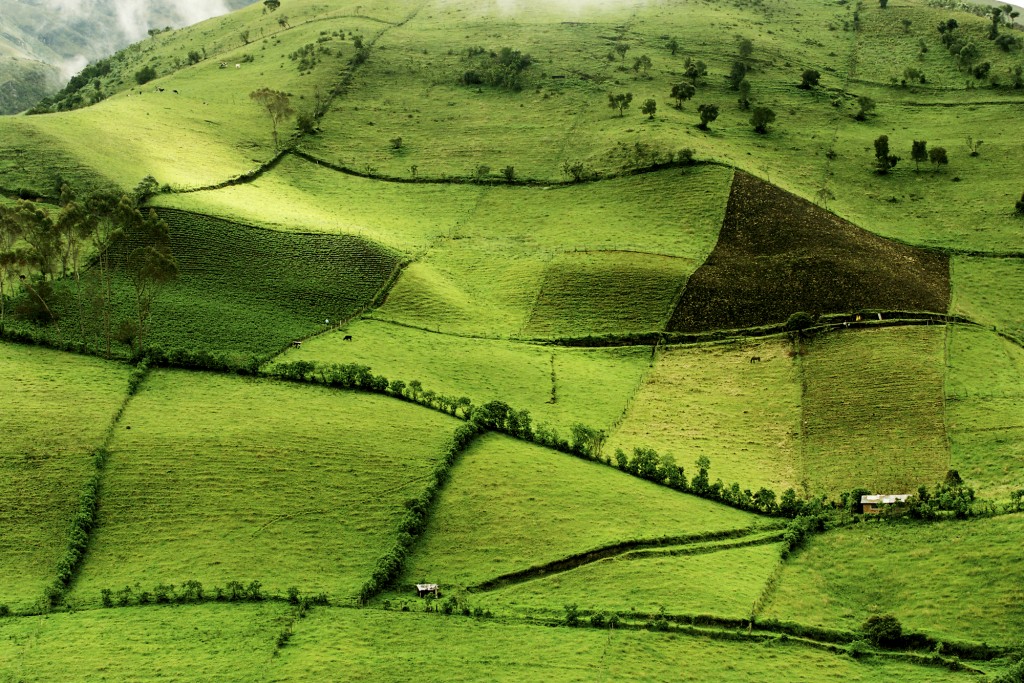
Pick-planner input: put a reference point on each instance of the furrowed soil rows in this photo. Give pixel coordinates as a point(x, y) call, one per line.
point(778, 254)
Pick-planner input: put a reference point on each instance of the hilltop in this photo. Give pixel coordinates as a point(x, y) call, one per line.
point(600, 316)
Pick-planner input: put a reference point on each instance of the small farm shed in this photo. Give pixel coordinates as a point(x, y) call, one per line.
point(874, 504)
point(425, 589)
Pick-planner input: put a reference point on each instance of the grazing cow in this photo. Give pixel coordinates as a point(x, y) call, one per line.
point(755, 359)
point(238, 66)
point(159, 89)
point(175, 92)
point(348, 337)
point(296, 344)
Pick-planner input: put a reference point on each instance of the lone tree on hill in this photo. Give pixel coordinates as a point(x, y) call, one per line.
point(673, 46)
point(642, 63)
point(621, 49)
point(271, 5)
point(882, 630)
point(708, 113)
point(883, 160)
point(938, 157)
point(620, 101)
point(809, 79)
point(650, 107)
point(919, 153)
point(866, 106)
point(682, 92)
point(760, 118)
point(1020, 206)
point(737, 74)
point(277, 105)
point(695, 70)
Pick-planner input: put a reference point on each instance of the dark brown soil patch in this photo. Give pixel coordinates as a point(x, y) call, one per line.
point(779, 254)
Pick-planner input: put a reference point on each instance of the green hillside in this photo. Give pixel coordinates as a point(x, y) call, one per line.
point(601, 316)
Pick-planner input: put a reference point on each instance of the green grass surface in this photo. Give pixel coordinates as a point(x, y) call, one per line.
point(956, 580)
point(223, 479)
point(511, 505)
point(241, 290)
point(396, 647)
point(56, 413)
point(591, 386)
point(990, 292)
point(204, 642)
point(985, 410)
point(724, 583)
point(873, 411)
point(712, 401)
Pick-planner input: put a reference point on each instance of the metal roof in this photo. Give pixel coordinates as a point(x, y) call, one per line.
point(885, 499)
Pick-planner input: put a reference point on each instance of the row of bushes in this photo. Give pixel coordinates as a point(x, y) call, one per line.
point(412, 524)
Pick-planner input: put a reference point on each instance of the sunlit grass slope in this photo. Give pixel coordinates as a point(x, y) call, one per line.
point(221, 479)
point(990, 291)
point(590, 386)
point(391, 646)
point(56, 411)
point(985, 410)
point(873, 411)
point(201, 642)
point(959, 580)
point(712, 401)
point(725, 583)
point(512, 505)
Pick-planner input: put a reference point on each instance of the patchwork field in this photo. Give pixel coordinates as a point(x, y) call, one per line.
point(219, 479)
point(725, 582)
point(985, 410)
point(973, 589)
point(712, 401)
point(589, 386)
point(873, 411)
point(56, 413)
point(244, 291)
point(511, 505)
point(779, 254)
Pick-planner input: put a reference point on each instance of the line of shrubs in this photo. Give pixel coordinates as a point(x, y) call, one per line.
point(389, 566)
point(192, 591)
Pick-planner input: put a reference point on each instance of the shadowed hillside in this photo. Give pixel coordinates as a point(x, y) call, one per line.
point(779, 254)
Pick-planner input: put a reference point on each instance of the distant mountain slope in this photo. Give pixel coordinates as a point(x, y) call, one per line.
point(45, 42)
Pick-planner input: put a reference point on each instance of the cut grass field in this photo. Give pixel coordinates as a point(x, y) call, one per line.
point(246, 291)
point(778, 254)
point(591, 386)
point(56, 413)
point(392, 646)
point(198, 642)
point(512, 505)
point(725, 583)
point(873, 411)
point(712, 401)
point(985, 410)
point(989, 291)
point(223, 479)
point(956, 581)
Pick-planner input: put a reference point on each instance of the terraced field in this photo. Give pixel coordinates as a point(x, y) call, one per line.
point(972, 590)
point(985, 409)
point(57, 410)
point(712, 401)
point(219, 479)
point(873, 411)
point(511, 506)
point(559, 386)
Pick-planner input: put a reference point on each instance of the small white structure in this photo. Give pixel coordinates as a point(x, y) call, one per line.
point(425, 589)
point(876, 503)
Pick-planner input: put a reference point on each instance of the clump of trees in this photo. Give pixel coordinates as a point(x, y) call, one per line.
point(620, 101)
point(502, 69)
point(761, 118)
point(708, 113)
point(809, 79)
point(884, 161)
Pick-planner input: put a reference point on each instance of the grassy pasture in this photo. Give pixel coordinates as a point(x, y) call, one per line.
point(591, 386)
point(724, 583)
point(57, 410)
point(223, 479)
point(873, 411)
point(391, 646)
point(512, 505)
point(204, 642)
point(607, 293)
point(243, 290)
point(779, 254)
point(989, 291)
point(955, 580)
point(711, 400)
point(985, 410)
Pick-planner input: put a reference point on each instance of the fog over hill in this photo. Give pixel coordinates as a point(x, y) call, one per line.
point(45, 42)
